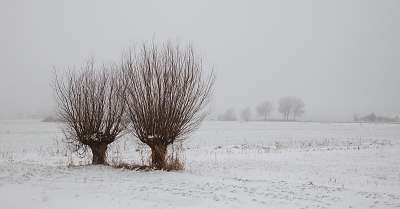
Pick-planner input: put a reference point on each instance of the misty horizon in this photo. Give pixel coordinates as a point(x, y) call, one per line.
point(338, 57)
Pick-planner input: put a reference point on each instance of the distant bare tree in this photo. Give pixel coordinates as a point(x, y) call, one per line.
point(167, 95)
point(286, 107)
point(372, 117)
point(297, 108)
point(228, 115)
point(89, 108)
point(381, 119)
point(356, 117)
point(265, 109)
point(246, 114)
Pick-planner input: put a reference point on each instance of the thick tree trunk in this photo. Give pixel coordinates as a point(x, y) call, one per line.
point(158, 153)
point(99, 152)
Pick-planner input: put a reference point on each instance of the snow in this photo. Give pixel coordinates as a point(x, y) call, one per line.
point(228, 165)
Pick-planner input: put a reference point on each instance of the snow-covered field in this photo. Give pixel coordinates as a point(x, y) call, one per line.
point(228, 165)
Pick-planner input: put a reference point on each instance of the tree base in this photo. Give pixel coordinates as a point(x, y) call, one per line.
point(99, 153)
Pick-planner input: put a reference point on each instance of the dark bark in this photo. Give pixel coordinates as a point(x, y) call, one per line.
point(158, 153)
point(99, 150)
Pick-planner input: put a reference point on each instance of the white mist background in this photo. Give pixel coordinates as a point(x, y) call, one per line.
point(339, 57)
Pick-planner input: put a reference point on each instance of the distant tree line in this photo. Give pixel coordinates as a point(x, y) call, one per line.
point(289, 108)
point(28, 114)
point(373, 118)
point(228, 115)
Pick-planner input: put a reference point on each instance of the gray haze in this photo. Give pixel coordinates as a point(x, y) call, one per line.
point(339, 57)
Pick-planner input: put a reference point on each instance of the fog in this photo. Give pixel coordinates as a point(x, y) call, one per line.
point(338, 57)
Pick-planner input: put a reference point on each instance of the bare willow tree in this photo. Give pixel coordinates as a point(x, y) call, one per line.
point(89, 108)
point(167, 95)
point(265, 109)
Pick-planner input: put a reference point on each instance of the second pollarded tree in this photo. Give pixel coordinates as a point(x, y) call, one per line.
point(167, 95)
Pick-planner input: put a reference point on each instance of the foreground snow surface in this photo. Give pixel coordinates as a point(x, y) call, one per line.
point(228, 165)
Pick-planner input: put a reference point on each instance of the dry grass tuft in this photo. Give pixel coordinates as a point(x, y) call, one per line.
point(175, 159)
point(131, 166)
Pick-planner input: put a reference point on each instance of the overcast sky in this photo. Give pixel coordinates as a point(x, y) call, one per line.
point(339, 57)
